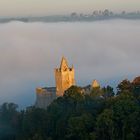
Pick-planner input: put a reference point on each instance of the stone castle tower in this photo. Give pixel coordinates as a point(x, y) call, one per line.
point(95, 84)
point(64, 77)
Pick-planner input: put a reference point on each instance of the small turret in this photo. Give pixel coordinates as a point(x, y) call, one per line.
point(95, 84)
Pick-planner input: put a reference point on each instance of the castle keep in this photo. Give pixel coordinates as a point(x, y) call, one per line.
point(64, 79)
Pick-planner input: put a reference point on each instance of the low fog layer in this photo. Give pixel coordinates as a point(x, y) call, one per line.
point(107, 51)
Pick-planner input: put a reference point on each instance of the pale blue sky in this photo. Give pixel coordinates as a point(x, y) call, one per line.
point(48, 7)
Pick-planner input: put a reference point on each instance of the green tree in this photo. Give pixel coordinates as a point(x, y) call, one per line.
point(8, 121)
point(136, 87)
point(96, 92)
point(124, 87)
point(74, 92)
point(108, 92)
point(34, 124)
point(105, 125)
point(80, 127)
point(124, 107)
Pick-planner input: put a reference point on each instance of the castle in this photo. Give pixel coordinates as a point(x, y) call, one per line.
point(64, 79)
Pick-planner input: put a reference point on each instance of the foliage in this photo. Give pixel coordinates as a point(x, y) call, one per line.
point(124, 87)
point(108, 92)
point(8, 121)
point(99, 115)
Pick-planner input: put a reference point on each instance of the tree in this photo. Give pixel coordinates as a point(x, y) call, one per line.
point(136, 87)
point(96, 92)
point(124, 87)
point(9, 120)
point(34, 124)
point(75, 93)
point(108, 92)
point(124, 107)
point(80, 127)
point(106, 12)
point(105, 125)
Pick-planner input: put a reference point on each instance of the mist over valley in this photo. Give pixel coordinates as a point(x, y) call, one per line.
point(104, 50)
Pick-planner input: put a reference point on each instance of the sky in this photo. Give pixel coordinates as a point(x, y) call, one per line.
point(54, 7)
point(104, 50)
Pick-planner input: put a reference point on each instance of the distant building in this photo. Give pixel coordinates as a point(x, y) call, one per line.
point(89, 88)
point(45, 96)
point(64, 79)
point(95, 84)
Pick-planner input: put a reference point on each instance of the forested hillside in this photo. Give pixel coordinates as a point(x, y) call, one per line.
point(99, 115)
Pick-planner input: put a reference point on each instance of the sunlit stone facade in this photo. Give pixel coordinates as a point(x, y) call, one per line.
point(44, 96)
point(64, 77)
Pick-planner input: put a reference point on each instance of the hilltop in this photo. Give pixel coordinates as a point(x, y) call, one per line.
point(99, 115)
point(96, 15)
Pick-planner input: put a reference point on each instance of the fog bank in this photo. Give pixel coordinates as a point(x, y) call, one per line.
point(107, 51)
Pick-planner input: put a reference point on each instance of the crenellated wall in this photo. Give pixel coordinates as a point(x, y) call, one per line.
point(44, 97)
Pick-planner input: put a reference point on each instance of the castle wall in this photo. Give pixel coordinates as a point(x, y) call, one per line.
point(64, 78)
point(58, 81)
point(44, 98)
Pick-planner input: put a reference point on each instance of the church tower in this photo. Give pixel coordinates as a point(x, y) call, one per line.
point(64, 77)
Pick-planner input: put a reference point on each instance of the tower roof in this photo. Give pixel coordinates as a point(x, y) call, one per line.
point(95, 84)
point(64, 64)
